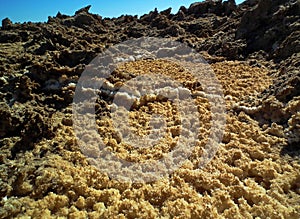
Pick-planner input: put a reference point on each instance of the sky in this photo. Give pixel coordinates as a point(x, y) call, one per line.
point(38, 11)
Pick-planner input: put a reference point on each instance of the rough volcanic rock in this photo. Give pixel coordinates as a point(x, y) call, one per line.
point(6, 123)
point(83, 10)
point(268, 24)
point(6, 24)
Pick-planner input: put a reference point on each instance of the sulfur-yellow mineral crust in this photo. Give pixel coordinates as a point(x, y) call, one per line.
point(247, 177)
point(253, 48)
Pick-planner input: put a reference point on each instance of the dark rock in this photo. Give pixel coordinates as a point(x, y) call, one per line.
point(229, 7)
point(179, 16)
point(160, 22)
point(125, 19)
point(199, 9)
point(83, 10)
point(137, 31)
point(149, 17)
point(69, 22)
point(25, 35)
point(46, 46)
point(6, 24)
point(265, 26)
point(9, 37)
point(84, 19)
point(23, 89)
point(289, 46)
point(6, 120)
point(61, 16)
point(183, 9)
point(174, 31)
point(166, 12)
point(287, 82)
point(36, 127)
point(200, 27)
point(73, 58)
point(250, 3)
point(231, 50)
point(50, 19)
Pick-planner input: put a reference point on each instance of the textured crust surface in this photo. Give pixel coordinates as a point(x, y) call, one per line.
point(256, 171)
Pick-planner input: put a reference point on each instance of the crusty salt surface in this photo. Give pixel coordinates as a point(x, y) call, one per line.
point(247, 178)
